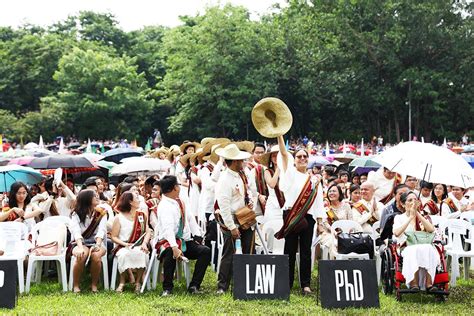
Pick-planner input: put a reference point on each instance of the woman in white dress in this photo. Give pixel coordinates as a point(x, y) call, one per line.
point(131, 234)
point(419, 261)
point(336, 210)
point(275, 200)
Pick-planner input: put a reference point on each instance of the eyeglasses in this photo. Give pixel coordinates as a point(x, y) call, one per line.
point(302, 157)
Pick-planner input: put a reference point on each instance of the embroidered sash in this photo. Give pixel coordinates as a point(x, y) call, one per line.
point(433, 207)
point(261, 184)
point(297, 213)
point(96, 218)
point(138, 230)
point(12, 216)
point(331, 216)
point(452, 206)
point(361, 208)
point(397, 181)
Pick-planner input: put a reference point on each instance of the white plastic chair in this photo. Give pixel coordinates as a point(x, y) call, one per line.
point(154, 266)
point(60, 257)
point(468, 216)
point(347, 226)
point(275, 246)
point(220, 246)
point(456, 229)
point(105, 269)
point(13, 234)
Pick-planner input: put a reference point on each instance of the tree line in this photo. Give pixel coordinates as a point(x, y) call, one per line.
point(346, 68)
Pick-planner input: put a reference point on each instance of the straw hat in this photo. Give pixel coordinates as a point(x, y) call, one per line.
point(206, 140)
point(174, 151)
point(232, 152)
point(184, 159)
point(271, 117)
point(208, 152)
point(187, 144)
point(194, 157)
point(246, 145)
point(265, 158)
point(157, 152)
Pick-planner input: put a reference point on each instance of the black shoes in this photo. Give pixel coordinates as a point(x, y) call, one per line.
point(194, 290)
point(166, 293)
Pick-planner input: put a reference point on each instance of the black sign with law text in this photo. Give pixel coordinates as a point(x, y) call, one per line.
point(261, 277)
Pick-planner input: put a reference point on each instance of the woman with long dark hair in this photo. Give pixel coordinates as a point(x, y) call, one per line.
point(276, 199)
point(131, 234)
point(20, 207)
point(88, 230)
point(436, 205)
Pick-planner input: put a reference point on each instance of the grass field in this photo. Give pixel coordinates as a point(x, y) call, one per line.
point(47, 298)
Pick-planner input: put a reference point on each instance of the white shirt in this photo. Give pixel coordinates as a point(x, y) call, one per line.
point(208, 185)
point(169, 215)
point(383, 186)
point(362, 219)
point(77, 228)
point(230, 195)
point(291, 183)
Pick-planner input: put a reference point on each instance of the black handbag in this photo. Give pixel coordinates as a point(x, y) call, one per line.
point(355, 242)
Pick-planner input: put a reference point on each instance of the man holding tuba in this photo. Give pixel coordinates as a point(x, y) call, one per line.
point(303, 193)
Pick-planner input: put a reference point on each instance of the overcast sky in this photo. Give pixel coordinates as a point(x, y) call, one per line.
point(131, 14)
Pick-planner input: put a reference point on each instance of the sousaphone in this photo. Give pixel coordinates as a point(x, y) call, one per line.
point(271, 117)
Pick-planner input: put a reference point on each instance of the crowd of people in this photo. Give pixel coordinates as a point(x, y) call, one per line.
point(218, 184)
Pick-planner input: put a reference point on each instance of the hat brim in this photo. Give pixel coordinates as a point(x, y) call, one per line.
point(242, 155)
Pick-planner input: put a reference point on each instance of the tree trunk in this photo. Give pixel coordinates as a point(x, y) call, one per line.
point(397, 126)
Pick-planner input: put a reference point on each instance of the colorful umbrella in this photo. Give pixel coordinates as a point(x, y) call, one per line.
point(12, 173)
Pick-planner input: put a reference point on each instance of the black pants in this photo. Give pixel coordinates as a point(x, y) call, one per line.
point(304, 238)
point(247, 239)
point(193, 251)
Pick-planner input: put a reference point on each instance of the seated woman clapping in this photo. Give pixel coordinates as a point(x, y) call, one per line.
point(419, 260)
point(88, 230)
point(131, 234)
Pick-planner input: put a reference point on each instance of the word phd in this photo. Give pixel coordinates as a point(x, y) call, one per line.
point(264, 279)
point(354, 292)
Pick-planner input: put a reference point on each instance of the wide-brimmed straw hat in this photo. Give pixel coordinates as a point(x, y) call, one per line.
point(208, 151)
point(206, 140)
point(187, 144)
point(271, 117)
point(184, 159)
point(265, 158)
point(194, 157)
point(174, 151)
point(157, 152)
point(232, 152)
point(246, 145)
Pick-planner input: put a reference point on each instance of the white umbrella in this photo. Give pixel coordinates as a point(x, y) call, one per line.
point(429, 162)
point(140, 165)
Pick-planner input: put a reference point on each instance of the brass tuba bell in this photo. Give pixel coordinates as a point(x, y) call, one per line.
point(271, 117)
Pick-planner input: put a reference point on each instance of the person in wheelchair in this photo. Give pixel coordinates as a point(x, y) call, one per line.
point(420, 260)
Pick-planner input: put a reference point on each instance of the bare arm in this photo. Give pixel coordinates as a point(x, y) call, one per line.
point(115, 232)
point(283, 152)
point(272, 181)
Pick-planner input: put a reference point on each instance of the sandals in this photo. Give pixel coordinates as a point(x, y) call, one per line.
point(432, 289)
point(138, 287)
point(415, 288)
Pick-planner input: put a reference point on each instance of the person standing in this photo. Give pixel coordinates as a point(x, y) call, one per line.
point(232, 194)
point(303, 204)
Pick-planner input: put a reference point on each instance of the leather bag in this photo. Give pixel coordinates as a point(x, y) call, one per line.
point(355, 242)
point(419, 238)
point(246, 217)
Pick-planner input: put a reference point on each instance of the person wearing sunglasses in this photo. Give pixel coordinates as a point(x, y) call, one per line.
point(303, 204)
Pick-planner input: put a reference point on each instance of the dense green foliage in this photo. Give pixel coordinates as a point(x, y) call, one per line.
point(346, 68)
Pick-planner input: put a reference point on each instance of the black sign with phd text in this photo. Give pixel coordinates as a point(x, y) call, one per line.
point(348, 283)
point(261, 277)
point(8, 281)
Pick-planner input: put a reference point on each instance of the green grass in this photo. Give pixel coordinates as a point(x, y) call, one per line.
point(47, 298)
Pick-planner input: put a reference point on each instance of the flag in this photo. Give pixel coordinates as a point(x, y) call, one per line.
point(61, 146)
point(287, 145)
point(362, 151)
point(1, 143)
point(327, 149)
point(422, 139)
point(148, 145)
point(445, 144)
point(41, 144)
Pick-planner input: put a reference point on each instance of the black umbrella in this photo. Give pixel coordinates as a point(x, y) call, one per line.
point(115, 155)
point(60, 161)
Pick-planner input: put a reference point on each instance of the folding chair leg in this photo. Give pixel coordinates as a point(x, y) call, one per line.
point(454, 270)
point(114, 274)
point(187, 273)
point(29, 273)
point(21, 276)
point(147, 273)
point(466, 264)
point(105, 271)
point(213, 254)
point(38, 271)
point(298, 266)
point(62, 265)
point(71, 274)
